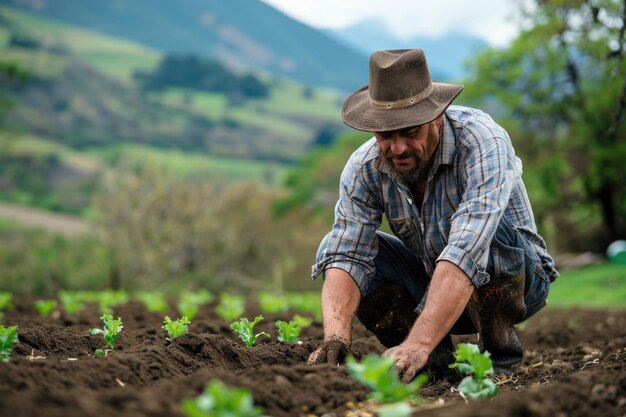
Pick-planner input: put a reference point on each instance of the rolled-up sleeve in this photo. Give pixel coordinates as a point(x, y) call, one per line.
point(487, 182)
point(352, 244)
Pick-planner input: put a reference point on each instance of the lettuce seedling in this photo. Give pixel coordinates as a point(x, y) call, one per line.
point(377, 373)
point(109, 299)
point(111, 330)
point(245, 330)
point(288, 332)
point(153, 301)
point(188, 310)
point(8, 337)
point(198, 297)
point(71, 301)
point(271, 303)
point(5, 301)
point(469, 361)
point(189, 302)
point(176, 328)
point(219, 400)
point(302, 321)
point(230, 307)
point(306, 302)
point(45, 307)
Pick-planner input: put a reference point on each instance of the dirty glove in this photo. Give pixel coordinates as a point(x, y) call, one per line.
point(332, 351)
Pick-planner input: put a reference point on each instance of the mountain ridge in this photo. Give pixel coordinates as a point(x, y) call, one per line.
point(240, 33)
point(445, 54)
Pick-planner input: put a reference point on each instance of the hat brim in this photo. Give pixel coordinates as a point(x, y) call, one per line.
point(358, 113)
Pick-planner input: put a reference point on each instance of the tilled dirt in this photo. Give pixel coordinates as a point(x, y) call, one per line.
point(574, 365)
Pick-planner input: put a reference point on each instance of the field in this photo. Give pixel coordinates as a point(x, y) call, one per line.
point(574, 365)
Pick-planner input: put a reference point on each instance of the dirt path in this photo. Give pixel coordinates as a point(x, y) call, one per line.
point(53, 222)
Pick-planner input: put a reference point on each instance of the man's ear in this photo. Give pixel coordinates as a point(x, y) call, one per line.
point(439, 121)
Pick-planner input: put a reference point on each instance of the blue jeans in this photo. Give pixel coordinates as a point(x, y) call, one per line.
point(508, 255)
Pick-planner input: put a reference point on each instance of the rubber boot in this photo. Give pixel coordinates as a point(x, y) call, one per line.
point(494, 308)
point(389, 314)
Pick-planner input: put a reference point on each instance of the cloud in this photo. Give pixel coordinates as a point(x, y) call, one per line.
point(491, 20)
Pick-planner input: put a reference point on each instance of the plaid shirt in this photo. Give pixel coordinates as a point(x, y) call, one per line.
point(474, 181)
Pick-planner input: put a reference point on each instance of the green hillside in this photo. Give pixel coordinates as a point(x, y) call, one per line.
point(81, 99)
point(243, 33)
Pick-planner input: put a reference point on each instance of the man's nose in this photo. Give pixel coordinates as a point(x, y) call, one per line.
point(398, 145)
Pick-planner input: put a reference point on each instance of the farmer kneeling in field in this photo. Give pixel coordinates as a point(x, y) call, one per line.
point(466, 256)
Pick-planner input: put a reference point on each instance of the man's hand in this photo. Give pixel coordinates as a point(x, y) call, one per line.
point(409, 360)
point(333, 351)
point(340, 299)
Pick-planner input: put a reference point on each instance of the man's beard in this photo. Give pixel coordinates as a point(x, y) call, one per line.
point(409, 176)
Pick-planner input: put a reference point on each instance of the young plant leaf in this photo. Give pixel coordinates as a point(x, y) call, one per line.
point(230, 307)
point(377, 373)
point(288, 332)
point(45, 307)
point(111, 329)
point(272, 303)
point(477, 366)
point(8, 337)
point(153, 301)
point(219, 400)
point(245, 330)
point(176, 328)
point(5, 300)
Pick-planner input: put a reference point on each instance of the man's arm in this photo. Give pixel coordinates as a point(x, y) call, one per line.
point(449, 292)
point(340, 299)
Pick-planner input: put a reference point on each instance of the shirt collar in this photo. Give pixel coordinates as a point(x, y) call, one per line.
point(446, 151)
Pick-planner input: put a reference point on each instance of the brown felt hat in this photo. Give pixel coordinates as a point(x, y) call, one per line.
point(400, 94)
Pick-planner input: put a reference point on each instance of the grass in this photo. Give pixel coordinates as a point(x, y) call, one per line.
point(601, 285)
point(187, 165)
point(118, 58)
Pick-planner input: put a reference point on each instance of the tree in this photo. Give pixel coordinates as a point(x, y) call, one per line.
point(561, 87)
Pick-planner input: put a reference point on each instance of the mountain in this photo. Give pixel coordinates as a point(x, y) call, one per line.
point(247, 34)
point(446, 55)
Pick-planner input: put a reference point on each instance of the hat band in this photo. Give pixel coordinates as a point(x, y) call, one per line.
point(405, 102)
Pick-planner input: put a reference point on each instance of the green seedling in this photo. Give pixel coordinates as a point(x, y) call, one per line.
point(273, 303)
point(108, 300)
point(230, 307)
point(302, 321)
point(189, 302)
point(219, 400)
point(153, 301)
point(71, 302)
point(377, 373)
point(8, 337)
point(110, 331)
point(199, 297)
point(306, 303)
point(288, 332)
point(188, 310)
point(176, 328)
point(469, 361)
point(45, 307)
point(245, 330)
point(5, 301)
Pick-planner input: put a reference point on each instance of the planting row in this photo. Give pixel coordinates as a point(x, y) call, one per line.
point(187, 303)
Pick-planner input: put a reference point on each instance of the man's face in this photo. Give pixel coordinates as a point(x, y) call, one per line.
point(409, 151)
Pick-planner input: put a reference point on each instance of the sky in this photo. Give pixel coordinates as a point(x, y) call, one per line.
point(487, 19)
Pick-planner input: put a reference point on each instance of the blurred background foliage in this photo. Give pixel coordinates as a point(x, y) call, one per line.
point(191, 174)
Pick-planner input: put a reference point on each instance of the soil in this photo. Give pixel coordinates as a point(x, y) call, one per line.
point(574, 365)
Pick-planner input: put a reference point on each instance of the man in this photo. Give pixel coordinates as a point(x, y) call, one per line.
point(466, 256)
